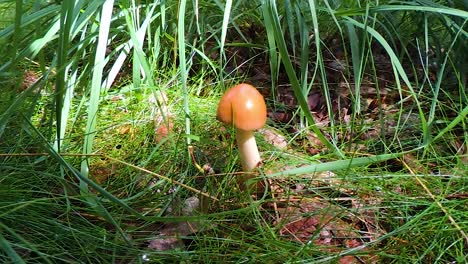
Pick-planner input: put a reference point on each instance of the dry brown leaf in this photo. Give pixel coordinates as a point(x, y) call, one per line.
point(125, 129)
point(274, 138)
point(165, 243)
point(348, 260)
point(101, 171)
point(162, 116)
point(29, 79)
point(163, 130)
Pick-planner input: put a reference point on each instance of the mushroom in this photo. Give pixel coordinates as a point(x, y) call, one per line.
point(244, 107)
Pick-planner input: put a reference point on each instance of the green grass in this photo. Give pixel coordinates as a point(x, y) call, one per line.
point(95, 163)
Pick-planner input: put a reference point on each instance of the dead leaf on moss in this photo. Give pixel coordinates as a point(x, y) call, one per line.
point(313, 144)
point(274, 138)
point(29, 79)
point(163, 130)
point(101, 171)
point(162, 116)
point(125, 129)
point(165, 243)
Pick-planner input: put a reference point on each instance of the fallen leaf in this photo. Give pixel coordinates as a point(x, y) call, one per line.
point(165, 243)
point(274, 138)
point(162, 116)
point(348, 260)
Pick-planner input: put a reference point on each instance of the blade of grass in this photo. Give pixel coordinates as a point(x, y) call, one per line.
point(224, 28)
point(137, 38)
point(30, 19)
point(319, 62)
point(273, 16)
point(399, 73)
point(17, 33)
point(336, 165)
point(437, 202)
point(44, 259)
point(66, 21)
point(304, 59)
point(440, 77)
point(136, 76)
point(93, 107)
point(183, 68)
point(357, 67)
point(7, 248)
point(410, 7)
point(272, 51)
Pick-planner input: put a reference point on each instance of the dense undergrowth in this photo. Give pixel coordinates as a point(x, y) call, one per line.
point(110, 151)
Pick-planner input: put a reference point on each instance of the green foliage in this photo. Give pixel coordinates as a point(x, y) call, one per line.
point(84, 177)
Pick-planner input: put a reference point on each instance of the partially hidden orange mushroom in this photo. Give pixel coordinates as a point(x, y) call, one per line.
point(244, 107)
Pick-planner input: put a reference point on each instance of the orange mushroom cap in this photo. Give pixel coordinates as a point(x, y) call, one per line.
point(244, 107)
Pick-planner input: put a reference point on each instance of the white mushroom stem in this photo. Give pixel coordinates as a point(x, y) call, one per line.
point(248, 150)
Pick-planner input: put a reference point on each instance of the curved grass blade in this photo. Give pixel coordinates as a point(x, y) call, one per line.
point(183, 68)
point(384, 8)
point(336, 165)
point(30, 19)
point(11, 252)
point(5, 245)
point(66, 23)
point(320, 64)
point(99, 63)
point(137, 37)
point(272, 50)
point(224, 27)
point(461, 117)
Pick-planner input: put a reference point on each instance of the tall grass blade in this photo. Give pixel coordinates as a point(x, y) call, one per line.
point(183, 68)
point(440, 77)
point(13, 255)
point(304, 59)
point(66, 23)
point(141, 65)
point(357, 66)
point(399, 72)
point(137, 38)
point(273, 16)
point(224, 28)
point(272, 50)
point(8, 249)
point(320, 64)
point(17, 31)
point(95, 89)
point(410, 7)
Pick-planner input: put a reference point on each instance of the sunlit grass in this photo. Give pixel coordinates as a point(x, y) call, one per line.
point(124, 93)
